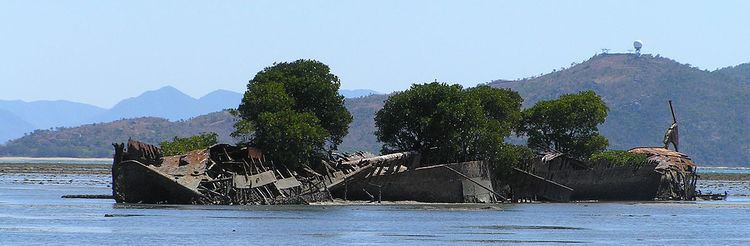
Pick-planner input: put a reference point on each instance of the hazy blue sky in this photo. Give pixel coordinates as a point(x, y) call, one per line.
point(102, 51)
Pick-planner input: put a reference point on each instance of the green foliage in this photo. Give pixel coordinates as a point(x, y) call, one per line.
point(447, 123)
point(293, 111)
point(619, 158)
point(243, 129)
point(567, 125)
point(510, 156)
point(501, 105)
point(291, 137)
point(305, 86)
point(264, 97)
point(181, 146)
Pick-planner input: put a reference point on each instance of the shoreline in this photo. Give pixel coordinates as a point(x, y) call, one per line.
point(21, 158)
point(725, 176)
point(54, 168)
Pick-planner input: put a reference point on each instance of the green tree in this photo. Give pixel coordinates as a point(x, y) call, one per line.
point(447, 123)
point(288, 107)
point(292, 138)
point(618, 158)
point(181, 146)
point(567, 124)
point(304, 86)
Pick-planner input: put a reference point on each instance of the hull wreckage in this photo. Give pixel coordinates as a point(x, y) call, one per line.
point(229, 175)
point(221, 174)
point(226, 174)
point(667, 175)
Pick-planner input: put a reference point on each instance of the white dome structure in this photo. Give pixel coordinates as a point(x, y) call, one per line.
point(638, 44)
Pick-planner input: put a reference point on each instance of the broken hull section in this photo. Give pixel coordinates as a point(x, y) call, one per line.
point(138, 183)
point(667, 175)
point(446, 183)
point(614, 183)
point(221, 174)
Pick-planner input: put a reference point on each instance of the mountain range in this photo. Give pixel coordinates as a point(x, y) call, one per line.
point(19, 117)
point(711, 107)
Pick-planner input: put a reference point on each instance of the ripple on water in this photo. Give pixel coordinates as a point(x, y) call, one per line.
point(507, 241)
point(55, 229)
point(524, 227)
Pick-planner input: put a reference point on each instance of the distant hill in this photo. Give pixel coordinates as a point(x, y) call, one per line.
point(218, 100)
point(170, 103)
point(94, 140)
point(739, 73)
point(361, 131)
point(11, 125)
point(19, 117)
point(45, 114)
point(357, 93)
point(712, 107)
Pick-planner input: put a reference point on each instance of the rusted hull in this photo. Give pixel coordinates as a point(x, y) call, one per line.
point(616, 183)
point(528, 186)
point(447, 183)
point(221, 174)
point(137, 183)
point(668, 175)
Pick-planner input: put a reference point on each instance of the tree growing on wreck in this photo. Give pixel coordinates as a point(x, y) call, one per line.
point(293, 111)
point(181, 146)
point(567, 125)
point(448, 123)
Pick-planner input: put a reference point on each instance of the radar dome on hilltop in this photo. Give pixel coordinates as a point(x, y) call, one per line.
point(638, 44)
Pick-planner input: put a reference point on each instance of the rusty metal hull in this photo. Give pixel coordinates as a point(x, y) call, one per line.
point(668, 175)
point(447, 183)
point(615, 183)
point(138, 183)
point(221, 174)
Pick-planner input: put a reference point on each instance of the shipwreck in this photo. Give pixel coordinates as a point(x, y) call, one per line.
point(232, 175)
point(667, 175)
point(221, 174)
point(228, 175)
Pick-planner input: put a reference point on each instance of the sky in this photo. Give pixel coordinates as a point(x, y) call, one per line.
point(100, 52)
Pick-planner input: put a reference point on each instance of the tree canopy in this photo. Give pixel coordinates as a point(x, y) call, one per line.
point(448, 123)
point(293, 111)
point(290, 137)
point(180, 146)
point(567, 124)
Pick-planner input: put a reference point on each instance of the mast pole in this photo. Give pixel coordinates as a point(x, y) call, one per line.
point(674, 119)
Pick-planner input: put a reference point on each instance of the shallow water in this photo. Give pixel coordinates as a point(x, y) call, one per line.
point(727, 170)
point(34, 213)
point(42, 160)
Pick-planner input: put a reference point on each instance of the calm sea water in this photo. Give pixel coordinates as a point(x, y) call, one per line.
point(730, 170)
point(32, 212)
point(23, 160)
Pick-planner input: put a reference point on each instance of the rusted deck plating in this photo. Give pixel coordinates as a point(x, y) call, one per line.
point(226, 174)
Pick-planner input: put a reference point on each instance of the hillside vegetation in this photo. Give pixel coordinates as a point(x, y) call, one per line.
point(94, 140)
point(711, 107)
